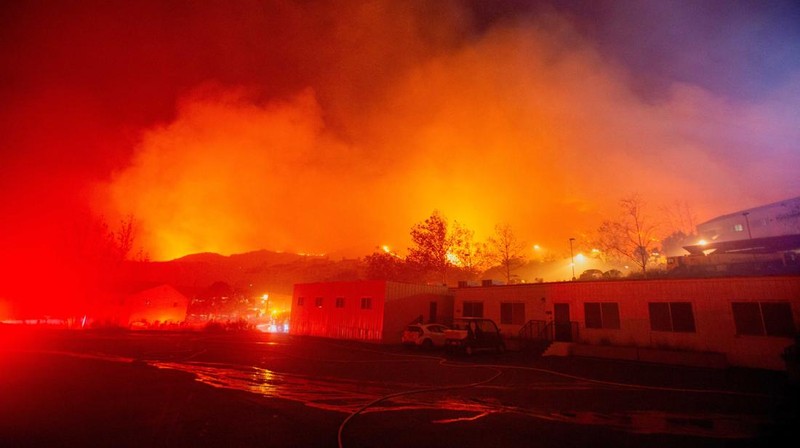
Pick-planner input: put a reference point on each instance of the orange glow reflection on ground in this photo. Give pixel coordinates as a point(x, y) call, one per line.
point(347, 396)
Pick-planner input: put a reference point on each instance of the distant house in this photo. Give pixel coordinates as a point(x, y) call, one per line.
point(777, 223)
point(764, 239)
point(372, 310)
point(159, 305)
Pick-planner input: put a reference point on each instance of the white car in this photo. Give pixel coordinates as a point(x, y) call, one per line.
point(424, 335)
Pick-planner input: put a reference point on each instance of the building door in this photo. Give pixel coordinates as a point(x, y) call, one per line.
point(562, 326)
point(432, 313)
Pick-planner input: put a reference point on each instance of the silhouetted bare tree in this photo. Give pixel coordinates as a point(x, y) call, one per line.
point(632, 236)
point(679, 217)
point(681, 223)
point(506, 250)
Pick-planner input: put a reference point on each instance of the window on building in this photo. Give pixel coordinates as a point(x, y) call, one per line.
point(671, 316)
point(659, 317)
point(318, 302)
point(763, 318)
point(512, 313)
point(366, 303)
point(601, 315)
point(738, 228)
point(472, 309)
point(301, 301)
point(340, 302)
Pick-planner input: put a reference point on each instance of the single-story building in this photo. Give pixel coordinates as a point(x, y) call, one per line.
point(740, 321)
point(371, 310)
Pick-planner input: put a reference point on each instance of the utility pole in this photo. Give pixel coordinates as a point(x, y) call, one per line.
point(572, 256)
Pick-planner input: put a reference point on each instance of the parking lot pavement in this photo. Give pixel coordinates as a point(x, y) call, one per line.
point(731, 406)
point(195, 389)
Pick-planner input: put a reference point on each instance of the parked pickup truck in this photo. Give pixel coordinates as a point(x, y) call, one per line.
point(472, 334)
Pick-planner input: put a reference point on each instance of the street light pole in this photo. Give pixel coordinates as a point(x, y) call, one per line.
point(747, 221)
point(572, 256)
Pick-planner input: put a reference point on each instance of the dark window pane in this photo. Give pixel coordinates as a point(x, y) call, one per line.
point(659, 317)
point(366, 303)
point(505, 313)
point(593, 317)
point(610, 313)
point(747, 318)
point(778, 319)
point(473, 309)
point(682, 317)
point(478, 309)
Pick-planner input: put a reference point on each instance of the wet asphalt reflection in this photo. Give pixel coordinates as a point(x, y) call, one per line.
point(347, 377)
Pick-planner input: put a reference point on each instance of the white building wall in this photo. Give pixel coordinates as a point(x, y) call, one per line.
point(711, 302)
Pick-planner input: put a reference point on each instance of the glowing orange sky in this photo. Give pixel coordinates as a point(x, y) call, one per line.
point(514, 127)
point(333, 127)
